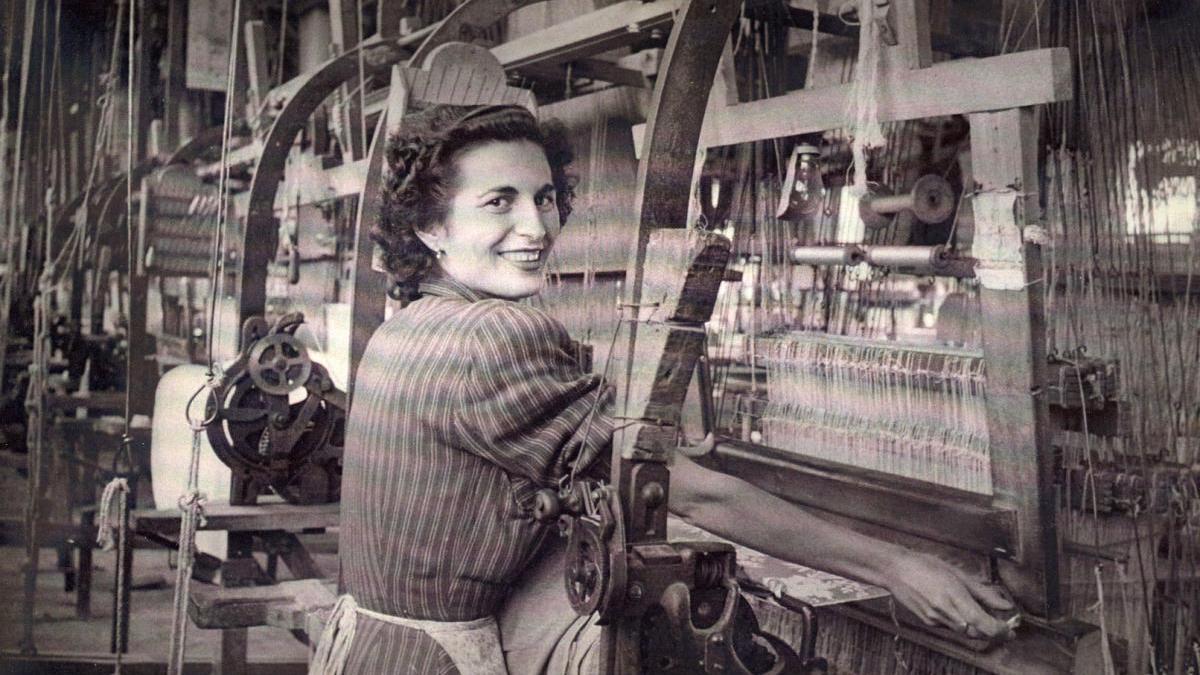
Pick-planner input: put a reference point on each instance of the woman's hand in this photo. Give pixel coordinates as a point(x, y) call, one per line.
point(940, 594)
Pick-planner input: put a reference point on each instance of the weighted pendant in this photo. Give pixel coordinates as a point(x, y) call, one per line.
point(587, 569)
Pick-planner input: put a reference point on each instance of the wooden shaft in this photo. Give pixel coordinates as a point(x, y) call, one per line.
point(889, 204)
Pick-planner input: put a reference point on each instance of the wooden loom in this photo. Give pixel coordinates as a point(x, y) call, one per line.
point(1011, 522)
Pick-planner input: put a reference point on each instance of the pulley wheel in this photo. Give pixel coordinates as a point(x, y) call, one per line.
point(279, 364)
point(587, 573)
point(933, 199)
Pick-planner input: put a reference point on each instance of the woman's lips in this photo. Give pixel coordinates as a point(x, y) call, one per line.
point(529, 260)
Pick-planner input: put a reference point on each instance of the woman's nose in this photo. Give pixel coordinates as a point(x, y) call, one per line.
point(530, 221)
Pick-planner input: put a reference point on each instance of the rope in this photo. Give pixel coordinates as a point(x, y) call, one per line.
point(191, 504)
point(334, 646)
point(130, 151)
point(104, 528)
point(116, 492)
point(864, 104)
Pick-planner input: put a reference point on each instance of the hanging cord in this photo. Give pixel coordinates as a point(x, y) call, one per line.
point(131, 150)
point(864, 102)
point(191, 504)
point(35, 412)
point(216, 259)
point(116, 493)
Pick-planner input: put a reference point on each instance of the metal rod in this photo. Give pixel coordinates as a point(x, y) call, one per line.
point(934, 260)
point(904, 256)
point(848, 254)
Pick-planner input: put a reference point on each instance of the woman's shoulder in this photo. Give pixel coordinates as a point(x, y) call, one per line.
point(490, 324)
point(505, 319)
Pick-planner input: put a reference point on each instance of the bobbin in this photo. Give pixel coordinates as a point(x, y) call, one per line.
point(931, 201)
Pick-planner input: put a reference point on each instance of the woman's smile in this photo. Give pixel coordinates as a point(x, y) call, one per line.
point(526, 259)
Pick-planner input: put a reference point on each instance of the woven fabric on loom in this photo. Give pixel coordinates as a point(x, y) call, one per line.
point(904, 411)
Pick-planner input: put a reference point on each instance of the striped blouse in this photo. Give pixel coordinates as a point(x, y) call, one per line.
point(463, 407)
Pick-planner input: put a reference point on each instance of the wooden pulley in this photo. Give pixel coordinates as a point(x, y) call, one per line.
point(931, 201)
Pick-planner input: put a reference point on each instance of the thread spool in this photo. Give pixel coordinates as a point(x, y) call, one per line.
point(931, 201)
point(828, 255)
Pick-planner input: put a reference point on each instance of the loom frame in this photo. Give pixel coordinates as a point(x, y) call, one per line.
point(1016, 528)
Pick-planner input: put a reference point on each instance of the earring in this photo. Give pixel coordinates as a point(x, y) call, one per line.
point(441, 253)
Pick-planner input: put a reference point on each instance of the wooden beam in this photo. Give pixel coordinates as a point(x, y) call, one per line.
point(952, 88)
point(614, 26)
point(242, 518)
point(937, 513)
point(1012, 297)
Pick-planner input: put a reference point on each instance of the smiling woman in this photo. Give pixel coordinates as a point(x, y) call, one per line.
point(480, 192)
point(465, 402)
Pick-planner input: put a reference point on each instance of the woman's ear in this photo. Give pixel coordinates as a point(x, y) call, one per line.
point(432, 237)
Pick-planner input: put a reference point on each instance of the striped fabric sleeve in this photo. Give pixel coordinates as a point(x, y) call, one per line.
point(525, 404)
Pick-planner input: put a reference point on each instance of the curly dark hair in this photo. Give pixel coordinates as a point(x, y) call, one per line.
point(421, 164)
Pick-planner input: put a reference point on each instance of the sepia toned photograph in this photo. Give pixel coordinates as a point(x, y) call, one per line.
point(600, 337)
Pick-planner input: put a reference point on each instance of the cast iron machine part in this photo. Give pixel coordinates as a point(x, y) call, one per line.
point(694, 618)
point(278, 420)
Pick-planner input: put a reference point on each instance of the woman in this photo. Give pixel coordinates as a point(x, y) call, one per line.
point(466, 402)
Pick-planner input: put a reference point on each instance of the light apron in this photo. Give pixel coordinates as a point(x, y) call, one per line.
point(473, 646)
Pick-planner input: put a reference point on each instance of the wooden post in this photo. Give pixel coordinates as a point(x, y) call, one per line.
point(345, 21)
point(1004, 157)
point(256, 67)
point(145, 73)
point(910, 20)
point(174, 84)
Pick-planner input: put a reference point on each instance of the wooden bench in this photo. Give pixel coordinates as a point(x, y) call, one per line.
point(299, 606)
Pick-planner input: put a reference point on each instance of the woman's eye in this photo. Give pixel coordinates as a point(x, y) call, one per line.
point(544, 201)
point(498, 202)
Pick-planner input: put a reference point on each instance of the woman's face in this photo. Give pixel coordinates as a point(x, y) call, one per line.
point(501, 221)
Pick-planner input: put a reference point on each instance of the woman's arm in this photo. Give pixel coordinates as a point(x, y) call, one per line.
point(730, 507)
